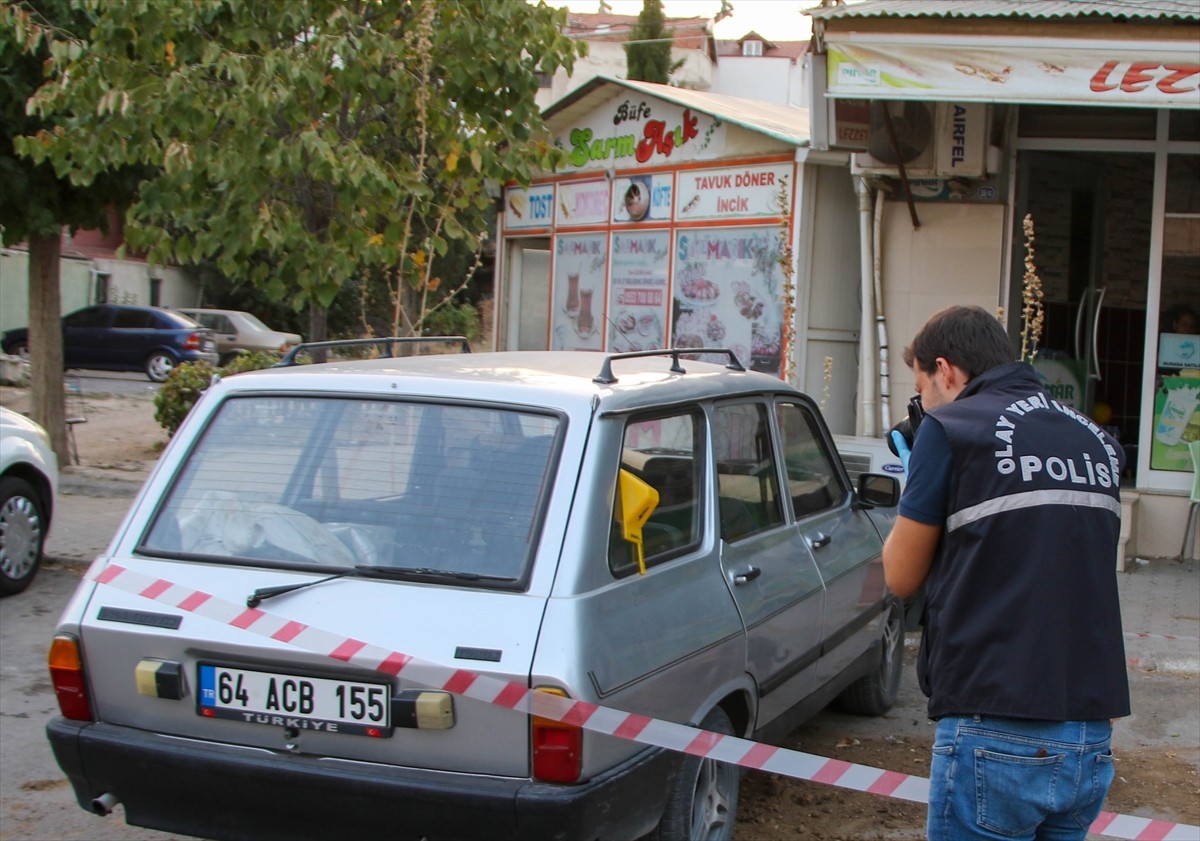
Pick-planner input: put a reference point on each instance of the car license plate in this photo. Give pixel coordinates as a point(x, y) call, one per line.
point(299, 702)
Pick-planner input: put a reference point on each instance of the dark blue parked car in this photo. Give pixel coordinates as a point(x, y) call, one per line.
point(126, 338)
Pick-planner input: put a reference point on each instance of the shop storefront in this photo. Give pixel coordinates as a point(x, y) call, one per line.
point(675, 224)
point(1094, 138)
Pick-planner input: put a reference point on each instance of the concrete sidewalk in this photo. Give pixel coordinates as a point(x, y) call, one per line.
point(1160, 599)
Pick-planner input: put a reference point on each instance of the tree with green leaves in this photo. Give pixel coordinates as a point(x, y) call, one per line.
point(297, 144)
point(38, 203)
point(648, 54)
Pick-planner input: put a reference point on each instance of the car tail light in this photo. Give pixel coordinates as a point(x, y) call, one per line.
point(192, 342)
point(66, 673)
point(557, 747)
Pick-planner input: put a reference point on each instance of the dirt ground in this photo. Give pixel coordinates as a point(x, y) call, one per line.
point(1150, 783)
point(1157, 776)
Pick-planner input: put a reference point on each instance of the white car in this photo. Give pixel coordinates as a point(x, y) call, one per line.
point(240, 332)
point(28, 482)
point(285, 636)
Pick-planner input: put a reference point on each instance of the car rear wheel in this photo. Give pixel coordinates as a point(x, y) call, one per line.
point(159, 366)
point(22, 533)
point(874, 694)
point(702, 797)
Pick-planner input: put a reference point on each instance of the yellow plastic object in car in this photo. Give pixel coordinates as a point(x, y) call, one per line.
point(638, 501)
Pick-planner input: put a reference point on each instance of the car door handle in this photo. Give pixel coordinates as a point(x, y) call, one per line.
point(819, 540)
point(746, 577)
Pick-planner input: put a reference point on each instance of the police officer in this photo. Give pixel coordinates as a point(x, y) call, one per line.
point(1010, 519)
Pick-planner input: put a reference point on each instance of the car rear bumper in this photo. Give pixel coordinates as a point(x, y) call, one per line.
point(225, 792)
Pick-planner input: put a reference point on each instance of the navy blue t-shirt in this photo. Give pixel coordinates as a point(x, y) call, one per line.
point(926, 496)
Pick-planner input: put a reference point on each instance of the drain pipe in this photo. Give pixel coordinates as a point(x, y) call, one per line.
point(866, 356)
point(885, 408)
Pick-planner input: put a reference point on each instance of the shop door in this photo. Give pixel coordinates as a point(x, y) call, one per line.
point(1091, 215)
point(1066, 199)
point(526, 295)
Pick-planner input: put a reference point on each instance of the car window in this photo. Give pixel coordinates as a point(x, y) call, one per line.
point(220, 323)
point(813, 481)
point(253, 322)
point(135, 320)
point(747, 476)
point(338, 481)
point(90, 317)
point(666, 452)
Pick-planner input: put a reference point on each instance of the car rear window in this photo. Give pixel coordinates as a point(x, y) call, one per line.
point(336, 482)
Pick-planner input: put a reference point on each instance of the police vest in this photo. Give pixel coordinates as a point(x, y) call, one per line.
point(1022, 612)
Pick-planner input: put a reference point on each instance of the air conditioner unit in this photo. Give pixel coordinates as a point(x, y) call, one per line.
point(932, 139)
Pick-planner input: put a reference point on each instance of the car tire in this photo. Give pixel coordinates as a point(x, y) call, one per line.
point(702, 797)
point(23, 527)
point(159, 366)
point(874, 693)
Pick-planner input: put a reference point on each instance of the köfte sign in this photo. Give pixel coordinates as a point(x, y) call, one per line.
point(635, 131)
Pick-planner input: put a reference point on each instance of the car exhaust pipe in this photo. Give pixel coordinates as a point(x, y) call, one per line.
point(104, 804)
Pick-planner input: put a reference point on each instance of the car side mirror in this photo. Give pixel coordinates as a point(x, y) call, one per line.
point(638, 501)
point(877, 490)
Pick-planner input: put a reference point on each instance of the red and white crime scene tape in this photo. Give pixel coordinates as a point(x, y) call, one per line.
point(636, 728)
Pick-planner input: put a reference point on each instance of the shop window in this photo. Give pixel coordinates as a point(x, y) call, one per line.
point(1185, 125)
point(1092, 122)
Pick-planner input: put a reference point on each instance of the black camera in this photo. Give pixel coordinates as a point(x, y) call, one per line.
point(908, 426)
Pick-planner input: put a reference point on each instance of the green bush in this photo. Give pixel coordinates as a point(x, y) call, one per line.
point(188, 381)
point(454, 319)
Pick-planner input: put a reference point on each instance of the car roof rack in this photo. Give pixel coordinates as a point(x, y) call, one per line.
point(605, 377)
point(389, 342)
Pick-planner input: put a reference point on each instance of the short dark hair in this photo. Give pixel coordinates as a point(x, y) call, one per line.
point(969, 337)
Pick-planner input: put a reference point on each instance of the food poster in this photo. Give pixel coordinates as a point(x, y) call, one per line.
point(1176, 423)
point(728, 293)
point(528, 208)
point(582, 203)
point(643, 198)
point(637, 306)
point(577, 320)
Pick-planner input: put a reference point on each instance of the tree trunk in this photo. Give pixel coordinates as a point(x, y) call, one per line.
point(45, 341)
point(318, 329)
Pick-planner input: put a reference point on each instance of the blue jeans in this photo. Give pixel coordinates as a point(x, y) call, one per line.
point(1008, 778)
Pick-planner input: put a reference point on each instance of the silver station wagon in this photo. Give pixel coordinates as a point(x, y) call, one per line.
point(282, 638)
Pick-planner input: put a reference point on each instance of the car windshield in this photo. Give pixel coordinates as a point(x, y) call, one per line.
point(340, 482)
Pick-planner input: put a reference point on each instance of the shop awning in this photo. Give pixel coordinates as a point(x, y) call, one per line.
point(980, 68)
point(782, 122)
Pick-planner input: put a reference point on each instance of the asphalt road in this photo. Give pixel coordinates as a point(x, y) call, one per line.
point(112, 382)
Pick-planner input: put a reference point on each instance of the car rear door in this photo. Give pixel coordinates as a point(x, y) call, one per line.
point(765, 558)
point(842, 539)
point(136, 332)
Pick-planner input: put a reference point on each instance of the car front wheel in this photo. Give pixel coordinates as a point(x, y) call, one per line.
point(874, 693)
point(702, 797)
point(22, 534)
point(159, 366)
